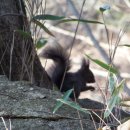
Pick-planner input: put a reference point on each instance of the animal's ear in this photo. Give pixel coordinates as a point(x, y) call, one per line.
point(85, 63)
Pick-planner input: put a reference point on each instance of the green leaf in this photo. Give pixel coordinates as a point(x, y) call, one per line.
point(115, 99)
point(103, 65)
point(48, 17)
point(23, 33)
point(111, 104)
point(65, 97)
point(62, 18)
point(127, 45)
point(74, 105)
point(81, 20)
point(121, 86)
point(112, 82)
point(105, 7)
point(41, 42)
point(43, 27)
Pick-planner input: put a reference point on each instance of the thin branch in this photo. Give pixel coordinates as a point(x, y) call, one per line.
point(89, 33)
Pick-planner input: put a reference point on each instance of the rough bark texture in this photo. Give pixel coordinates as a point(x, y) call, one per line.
point(18, 58)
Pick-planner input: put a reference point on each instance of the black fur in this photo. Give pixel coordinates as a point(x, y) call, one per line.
point(76, 80)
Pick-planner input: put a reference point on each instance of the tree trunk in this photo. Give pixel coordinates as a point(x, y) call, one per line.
point(18, 58)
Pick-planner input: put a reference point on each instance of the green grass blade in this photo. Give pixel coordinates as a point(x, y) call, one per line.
point(103, 65)
point(23, 33)
point(115, 99)
point(127, 45)
point(48, 17)
point(65, 97)
point(62, 19)
point(81, 20)
point(40, 43)
point(41, 25)
point(121, 86)
point(112, 82)
point(74, 105)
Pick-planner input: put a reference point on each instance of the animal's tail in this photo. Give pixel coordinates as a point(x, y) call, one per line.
point(61, 62)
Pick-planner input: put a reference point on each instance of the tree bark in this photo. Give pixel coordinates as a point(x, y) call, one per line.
point(18, 58)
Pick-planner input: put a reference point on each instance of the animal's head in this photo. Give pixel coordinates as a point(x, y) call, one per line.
point(86, 72)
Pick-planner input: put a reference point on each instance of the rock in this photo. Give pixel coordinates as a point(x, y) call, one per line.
point(30, 108)
point(99, 109)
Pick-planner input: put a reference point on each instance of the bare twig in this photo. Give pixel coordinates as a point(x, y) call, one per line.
point(89, 33)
